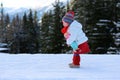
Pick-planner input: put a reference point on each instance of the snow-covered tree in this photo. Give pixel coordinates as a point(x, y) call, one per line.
point(90, 13)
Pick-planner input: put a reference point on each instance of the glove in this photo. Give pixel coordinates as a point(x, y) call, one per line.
point(74, 46)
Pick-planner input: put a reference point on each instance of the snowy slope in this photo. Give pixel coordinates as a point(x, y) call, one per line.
point(55, 67)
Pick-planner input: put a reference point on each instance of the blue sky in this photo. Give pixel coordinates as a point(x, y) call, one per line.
point(26, 3)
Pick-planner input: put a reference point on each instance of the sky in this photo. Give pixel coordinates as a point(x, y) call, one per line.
point(55, 67)
point(26, 3)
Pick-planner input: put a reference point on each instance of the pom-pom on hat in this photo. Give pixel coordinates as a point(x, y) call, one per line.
point(69, 17)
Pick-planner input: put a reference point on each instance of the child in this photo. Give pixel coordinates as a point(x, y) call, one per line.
point(76, 34)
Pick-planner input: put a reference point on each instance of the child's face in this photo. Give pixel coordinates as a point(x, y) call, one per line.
point(65, 24)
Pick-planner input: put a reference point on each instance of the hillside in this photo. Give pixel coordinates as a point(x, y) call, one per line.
point(21, 10)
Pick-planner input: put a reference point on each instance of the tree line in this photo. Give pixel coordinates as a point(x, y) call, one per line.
point(25, 35)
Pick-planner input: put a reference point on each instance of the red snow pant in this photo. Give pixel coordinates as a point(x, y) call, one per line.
point(82, 49)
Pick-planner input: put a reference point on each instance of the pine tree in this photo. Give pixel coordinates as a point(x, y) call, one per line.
point(37, 32)
point(51, 37)
point(8, 29)
point(78, 6)
point(31, 33)
point(15, 45)
point(45, 34)
point(58, 37)
point(24, 35)
point(101, 23)
point(91, 13)
point(1, 23)
point(50, 32)
point(68, 6)
point(7, 24)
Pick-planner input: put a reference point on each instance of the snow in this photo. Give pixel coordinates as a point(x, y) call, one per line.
point(117, 24)
point(55, 67)
point(3, 49)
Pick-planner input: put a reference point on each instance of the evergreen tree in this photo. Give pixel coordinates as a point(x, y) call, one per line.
point(7, 20)
point(25, 22)
point(37, 32)
point(1, 23)
point(104, 15)
point(7, 24)
point(68, 6)
point(45, 31)
point(96, 15)
point(24, 35)
point(78, 8)
point(50, 30)
point(15, 45)
point(58, 37)
point(8, 29)
point(31, 33)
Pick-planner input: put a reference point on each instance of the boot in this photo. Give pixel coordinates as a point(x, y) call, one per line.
point(71, 65)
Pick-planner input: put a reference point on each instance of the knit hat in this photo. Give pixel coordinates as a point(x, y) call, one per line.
point(69, 17)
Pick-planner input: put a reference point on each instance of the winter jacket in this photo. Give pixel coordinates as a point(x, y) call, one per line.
point(76, 33)
point(74, 45)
